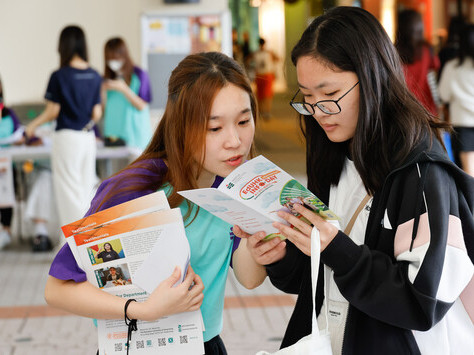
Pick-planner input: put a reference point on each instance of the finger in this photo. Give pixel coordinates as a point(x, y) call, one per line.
point(195, 291)
point(196, 305)
point(188, 280)
point(311, 216)
point(296, 222)
point(274, 254)
point(197, 286)
point(265, 247)
point(257, 238)
point(239, 232)
point(174, 277)
point(299, 239)
point(198, 281)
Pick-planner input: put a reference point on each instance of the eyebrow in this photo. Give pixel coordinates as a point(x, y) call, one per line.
point(323, 84)
point(243, 112)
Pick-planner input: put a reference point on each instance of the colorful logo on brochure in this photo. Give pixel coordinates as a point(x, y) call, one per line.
point(258, 184)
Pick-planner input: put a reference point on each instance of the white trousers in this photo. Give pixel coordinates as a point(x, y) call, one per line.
point(73, 160)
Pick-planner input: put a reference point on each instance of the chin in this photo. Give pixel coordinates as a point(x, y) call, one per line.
point(339, 139)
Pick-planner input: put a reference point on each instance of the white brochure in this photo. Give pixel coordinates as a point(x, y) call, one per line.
point(129, 258)
point(252, 194)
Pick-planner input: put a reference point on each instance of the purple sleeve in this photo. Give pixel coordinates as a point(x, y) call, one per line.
point(235, 244)
point(145, 87)
point(64, 266)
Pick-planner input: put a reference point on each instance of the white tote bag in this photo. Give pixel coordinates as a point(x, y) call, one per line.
point(318, 342)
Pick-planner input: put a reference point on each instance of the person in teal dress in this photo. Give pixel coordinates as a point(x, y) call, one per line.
point(126, 92)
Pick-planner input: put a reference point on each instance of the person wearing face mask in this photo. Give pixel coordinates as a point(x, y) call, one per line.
point(126, 92)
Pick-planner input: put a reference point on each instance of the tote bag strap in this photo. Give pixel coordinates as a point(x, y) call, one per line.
point(315, 256)
point(362, 203)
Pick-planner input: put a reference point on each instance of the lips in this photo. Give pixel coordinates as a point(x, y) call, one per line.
point(328, 127)
point(234, 161)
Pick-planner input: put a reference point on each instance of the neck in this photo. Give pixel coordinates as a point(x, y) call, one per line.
point(206, 179)
point(78, 63)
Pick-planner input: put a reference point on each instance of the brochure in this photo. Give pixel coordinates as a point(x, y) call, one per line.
point(128, 257)
point(152, 202)
point(252, 195)
point(156, 201)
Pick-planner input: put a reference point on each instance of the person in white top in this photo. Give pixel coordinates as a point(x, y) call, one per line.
point(265, 75)
point(456, 87)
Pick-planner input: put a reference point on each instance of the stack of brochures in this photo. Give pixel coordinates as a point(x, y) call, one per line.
point(127, 251)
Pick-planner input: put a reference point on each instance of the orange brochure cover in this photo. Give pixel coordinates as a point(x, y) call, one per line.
point(152, 202)
point(151, 219)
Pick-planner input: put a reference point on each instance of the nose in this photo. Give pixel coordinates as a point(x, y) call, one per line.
point(232, 139)
point(318, 114)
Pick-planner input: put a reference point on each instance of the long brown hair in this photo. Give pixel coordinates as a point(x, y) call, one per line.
point(181, 133)
point(117, 46)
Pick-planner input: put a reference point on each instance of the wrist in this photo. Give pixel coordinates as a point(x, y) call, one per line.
point(139, 310)
point(135, 310)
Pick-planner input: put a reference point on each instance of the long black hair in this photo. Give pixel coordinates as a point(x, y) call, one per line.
point(72, 41)
point(466, 49)
point(391, 122)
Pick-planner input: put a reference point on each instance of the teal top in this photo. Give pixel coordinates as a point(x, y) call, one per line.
point(123, 120)
point(211, 249)
point(6, 126)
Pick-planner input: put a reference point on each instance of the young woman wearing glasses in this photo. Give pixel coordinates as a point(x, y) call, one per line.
point(399, 281)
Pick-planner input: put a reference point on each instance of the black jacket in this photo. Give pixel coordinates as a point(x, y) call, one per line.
point(385, 304)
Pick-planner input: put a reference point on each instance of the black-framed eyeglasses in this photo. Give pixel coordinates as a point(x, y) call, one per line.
point(329, 107)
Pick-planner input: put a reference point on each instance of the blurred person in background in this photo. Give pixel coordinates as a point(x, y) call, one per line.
point(73, 100)
point(265, 76)
point(10, 132)
point(40, 210)
point(417, 57)
point(126, 93)
point(450, 48)
point(420, 66)
point(456, 88)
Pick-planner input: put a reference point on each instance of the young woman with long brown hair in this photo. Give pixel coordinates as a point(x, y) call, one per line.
point(206, 131)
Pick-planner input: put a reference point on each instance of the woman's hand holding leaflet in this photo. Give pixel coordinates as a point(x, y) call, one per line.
point(300, 235)
point(262, 251)
point(166, 299)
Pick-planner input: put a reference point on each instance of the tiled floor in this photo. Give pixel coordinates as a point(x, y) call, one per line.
point(253, 319)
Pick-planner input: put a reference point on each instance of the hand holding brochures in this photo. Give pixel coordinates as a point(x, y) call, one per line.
point(153, 256)
point(252, 195)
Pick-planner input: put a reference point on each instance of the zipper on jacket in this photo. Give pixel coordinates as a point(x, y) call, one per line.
point(344, 332)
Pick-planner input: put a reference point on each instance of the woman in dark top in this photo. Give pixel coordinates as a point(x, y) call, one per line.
point(73, 101)
point(107, 253)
